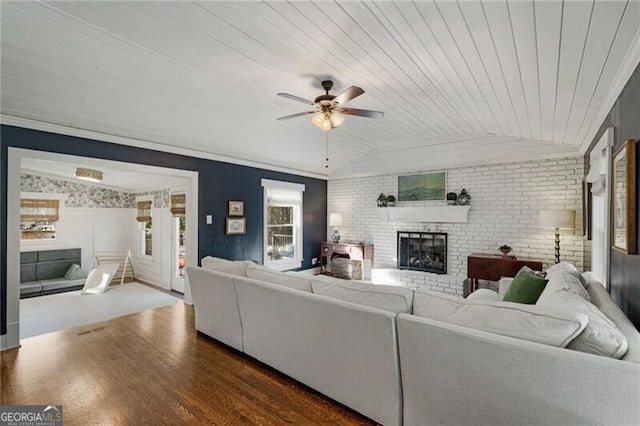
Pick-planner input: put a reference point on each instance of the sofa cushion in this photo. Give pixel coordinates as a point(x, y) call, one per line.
point(295, 281)
point(548, 326)
point(603, 301)
point(563, 281)
point(390, 298)
point(601, 336)
point(30, 287)
point(333, 280)
point(238, 267)
point(484, 295)
point(60, 283)
point(525, 288)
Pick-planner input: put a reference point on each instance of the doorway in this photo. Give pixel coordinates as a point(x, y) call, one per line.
point(189, 180)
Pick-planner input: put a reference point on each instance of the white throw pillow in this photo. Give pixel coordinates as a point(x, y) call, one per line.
point(567, 281)
point(503, 285)
point(561, 266)
point(390, 298)
point(548, 326)
point(600, 337)
point(231, 267)
point(72, 270)
point(294, 281)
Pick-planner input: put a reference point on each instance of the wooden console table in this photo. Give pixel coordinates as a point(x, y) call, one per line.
point(493, 267)
point(355, 251)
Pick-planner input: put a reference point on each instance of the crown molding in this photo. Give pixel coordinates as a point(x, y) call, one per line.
point(27, 123)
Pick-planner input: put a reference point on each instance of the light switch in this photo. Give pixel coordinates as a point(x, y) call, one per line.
point(209, 219)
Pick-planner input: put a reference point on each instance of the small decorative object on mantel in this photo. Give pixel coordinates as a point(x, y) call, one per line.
point(505, 250)
point(391, 200)
point(452, 198)
point(464, 198)
point(382, 200)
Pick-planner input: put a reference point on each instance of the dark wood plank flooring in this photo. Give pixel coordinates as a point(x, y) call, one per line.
point(154, 368)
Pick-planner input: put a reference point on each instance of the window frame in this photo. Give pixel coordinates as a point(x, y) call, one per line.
point(298, 258)
point(141, 232)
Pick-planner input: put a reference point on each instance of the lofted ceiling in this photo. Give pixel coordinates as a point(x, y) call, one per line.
point(460, 82)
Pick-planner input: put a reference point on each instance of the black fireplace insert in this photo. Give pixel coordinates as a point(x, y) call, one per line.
point(423, 251)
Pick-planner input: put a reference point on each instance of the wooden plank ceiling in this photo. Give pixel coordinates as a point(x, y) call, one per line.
point(460, 82)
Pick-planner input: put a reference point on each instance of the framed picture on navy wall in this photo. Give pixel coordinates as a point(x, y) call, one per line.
point(236, 208)
point(236, 225)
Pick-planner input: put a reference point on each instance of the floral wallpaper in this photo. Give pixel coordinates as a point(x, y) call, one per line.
point(161, 197)
point(90, 196)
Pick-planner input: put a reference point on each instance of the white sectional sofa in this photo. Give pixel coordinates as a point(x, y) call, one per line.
point(453, 362)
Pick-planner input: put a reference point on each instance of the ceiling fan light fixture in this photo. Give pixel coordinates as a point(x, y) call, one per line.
point(336, 120)
point(327, 120)
point(318, 119)
point(89, 175)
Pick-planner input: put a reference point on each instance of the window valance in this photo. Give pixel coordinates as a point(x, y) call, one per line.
point(39, 210)
point(144, 211)
point(178, 204)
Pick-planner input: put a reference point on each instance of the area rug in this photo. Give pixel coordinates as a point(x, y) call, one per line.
point(44, 314)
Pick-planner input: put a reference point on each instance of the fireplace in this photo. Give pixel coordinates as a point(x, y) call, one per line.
point(423, 251)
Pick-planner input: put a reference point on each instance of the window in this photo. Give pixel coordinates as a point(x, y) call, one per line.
point(599, 175)
point(38, 218)
point(179, 210)
point(145, 227)
point(282, 224)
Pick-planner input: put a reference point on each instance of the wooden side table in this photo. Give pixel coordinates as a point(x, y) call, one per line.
point(493, 267)
point(359, 252)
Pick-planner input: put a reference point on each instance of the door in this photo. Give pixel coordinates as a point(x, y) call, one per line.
point(178, 258)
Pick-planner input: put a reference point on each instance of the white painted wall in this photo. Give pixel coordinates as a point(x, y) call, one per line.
point(90, 229)
point(505, 202)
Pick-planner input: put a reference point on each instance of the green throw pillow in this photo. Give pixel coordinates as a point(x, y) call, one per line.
point(525, 288)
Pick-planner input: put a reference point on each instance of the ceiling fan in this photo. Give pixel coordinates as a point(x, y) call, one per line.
point(329, 110)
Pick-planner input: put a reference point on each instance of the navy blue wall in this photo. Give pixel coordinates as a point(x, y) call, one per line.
point(219, 182)
point(624, 269)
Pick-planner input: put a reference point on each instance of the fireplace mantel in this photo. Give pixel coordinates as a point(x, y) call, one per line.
point(440, 214)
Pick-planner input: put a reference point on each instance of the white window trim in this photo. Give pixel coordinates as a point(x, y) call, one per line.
point(601, 230)
point(296, 262)
point(139, 251)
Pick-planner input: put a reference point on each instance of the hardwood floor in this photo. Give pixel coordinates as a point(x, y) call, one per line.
point(153, 368)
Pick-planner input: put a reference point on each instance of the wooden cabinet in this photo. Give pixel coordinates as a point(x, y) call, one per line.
point(359, 252)
point(490, 267)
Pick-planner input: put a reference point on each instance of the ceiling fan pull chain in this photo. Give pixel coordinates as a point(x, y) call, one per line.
point(326, 166)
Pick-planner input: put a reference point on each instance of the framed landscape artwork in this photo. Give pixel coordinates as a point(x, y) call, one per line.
point(423, 187)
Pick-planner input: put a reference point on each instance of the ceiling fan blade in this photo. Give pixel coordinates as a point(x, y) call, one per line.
point(361, 112)
point(300, 114)
point(347, 95)
point(295, 98)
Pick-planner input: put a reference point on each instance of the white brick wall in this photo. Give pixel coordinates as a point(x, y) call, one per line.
point(505, 200)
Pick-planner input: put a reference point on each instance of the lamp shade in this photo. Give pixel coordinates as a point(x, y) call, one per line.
point(335, 219)
point(561, 219)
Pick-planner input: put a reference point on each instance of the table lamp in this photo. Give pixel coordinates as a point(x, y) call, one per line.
point(557, 220)
point(335, 220)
